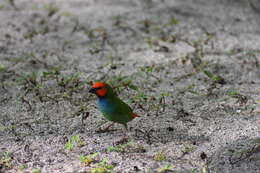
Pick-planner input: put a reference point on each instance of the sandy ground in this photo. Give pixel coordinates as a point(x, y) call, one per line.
point(190, 68)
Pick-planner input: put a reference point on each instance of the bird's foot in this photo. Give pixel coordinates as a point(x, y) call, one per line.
point(125, 137)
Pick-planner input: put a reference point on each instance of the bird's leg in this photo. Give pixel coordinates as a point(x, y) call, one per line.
point(126, 128)
point(125, 131)
point(100, 130)
point(125, 137)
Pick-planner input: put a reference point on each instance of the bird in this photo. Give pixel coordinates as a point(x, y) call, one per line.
point(111, 106)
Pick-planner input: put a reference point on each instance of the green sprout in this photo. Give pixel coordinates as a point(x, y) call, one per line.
point(6, 159)
point(88, 159)
point(187, 150)
point(233, 93)
point(22, 167)
point(103, 167)
point(165, 169)
point(160, 155)
point(214, 78)
point(98, 170)
point(52, 9)
point(126, 148)
point(74, 140)
point(173, 21)
point(36, 171)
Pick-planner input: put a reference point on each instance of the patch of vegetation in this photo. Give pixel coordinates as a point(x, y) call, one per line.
point(2, 68)
point(103, 167)
point(148, 71)
point(160, 155)
point(186, 150)
point(173, 21)
point(241, 99)
point(88, 159)
point(10, 127)
point(74, 141)
point(165, 169)
point(52, 9)
point(233, 93)
point(129, 147)
point(189, 88)
point(36, 171)
point(6, 160)
point(98, 170)
point(64, 87)
point(215, 78)
point(195, 170)
point(22, 167)
point(161, 105)
point(2, 6)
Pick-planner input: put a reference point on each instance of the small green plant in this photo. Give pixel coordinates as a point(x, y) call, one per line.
point(233, 93)
point(123, 82)
point(241, 99)
point(189, 88)
point(103, 167)
point(173, 21)
point(74, 141)
point(127, 148)
point(17, 59)
point(160, 155)
point(140, 97)
point(2, 68)
point(194, 170)
point(30, 79)
point(69, 81)
point(52, 9)
point(22, 167)
point(165, 169)
point(187, 150)
point(119, 148)
point(67, 14)
point(104, 163)
point(6, 159)
point(146, 25)
point(98, 170)
point(161, 105)
point(36, 171)
point(2, 6)
point(87, 160)
point(214, 78)
point(69, 146)
point(10, 127)
point(132, 86)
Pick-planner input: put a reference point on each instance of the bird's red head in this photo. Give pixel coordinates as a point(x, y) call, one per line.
point(99, 88)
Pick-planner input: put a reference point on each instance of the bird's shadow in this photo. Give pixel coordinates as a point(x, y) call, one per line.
point(165, 135)
point(99, 131)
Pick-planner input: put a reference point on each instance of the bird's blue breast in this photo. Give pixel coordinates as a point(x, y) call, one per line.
point(105, 106)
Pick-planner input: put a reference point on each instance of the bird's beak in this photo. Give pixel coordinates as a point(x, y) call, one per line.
point(92, 90)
